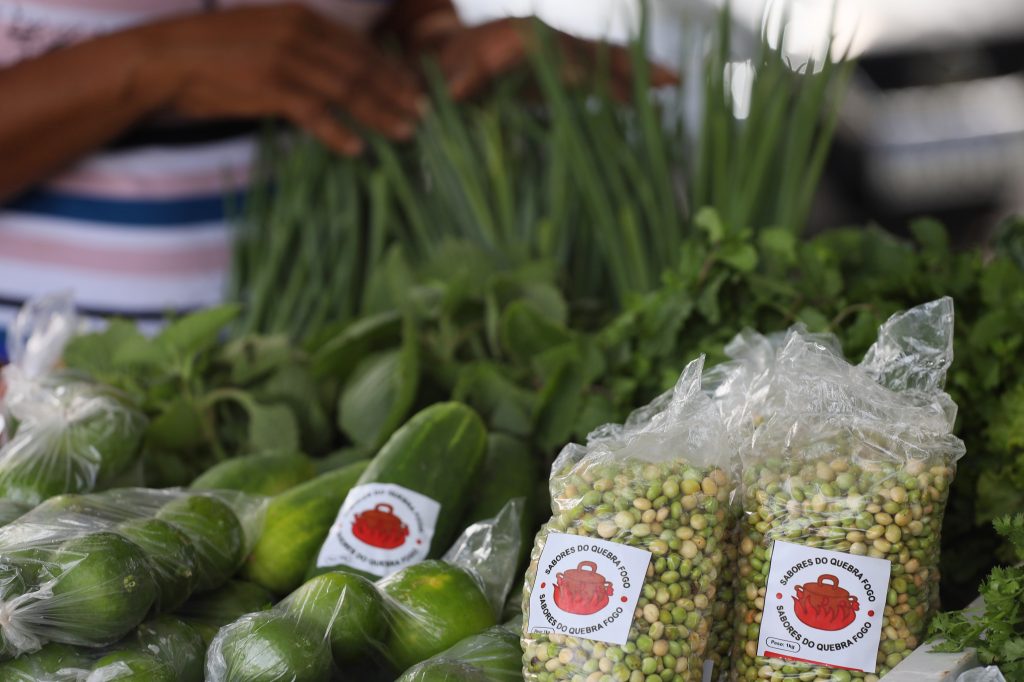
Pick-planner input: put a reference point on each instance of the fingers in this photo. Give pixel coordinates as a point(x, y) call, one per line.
point(402, 92)
point(356, 97)
point(472, 60)
point(308, 113)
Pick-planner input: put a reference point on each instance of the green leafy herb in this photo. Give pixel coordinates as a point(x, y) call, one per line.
point(998, 632)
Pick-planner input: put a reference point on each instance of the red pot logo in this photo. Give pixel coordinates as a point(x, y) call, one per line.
point(380, 527)
point(582, 590)
point(824, 605)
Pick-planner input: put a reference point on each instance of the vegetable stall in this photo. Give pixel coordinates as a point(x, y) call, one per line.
point(561, 390)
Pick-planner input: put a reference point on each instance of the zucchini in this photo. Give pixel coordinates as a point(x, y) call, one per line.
point(211, 611)
point(296, 524)
point(266, 474)
point(436, 454)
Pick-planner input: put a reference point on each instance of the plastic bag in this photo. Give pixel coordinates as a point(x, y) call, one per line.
point(622, 577)
point(491, 656)
point(86, 569)
point(989, 673)
point(72, 435)
point(341, 620)
point(164, 649)
point(854, 460)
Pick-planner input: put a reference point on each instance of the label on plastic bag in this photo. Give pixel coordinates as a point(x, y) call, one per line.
point(823, 607)
point(381, 528)
point(587, 588)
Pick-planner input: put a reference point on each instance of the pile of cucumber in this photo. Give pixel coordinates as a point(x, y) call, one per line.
point(183, 586)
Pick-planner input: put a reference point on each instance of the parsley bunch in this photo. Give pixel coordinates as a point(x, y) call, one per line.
point(998, 633)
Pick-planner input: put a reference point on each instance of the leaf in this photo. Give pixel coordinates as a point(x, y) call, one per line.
point(145, 356)
point(293, 386)
point(94, 353)
point(708, 220)
point(252, 357)
point(272, 427)
point(931, 235)
point(337, 357)
point(504, 405)
point(379, 394)
point(179, 427)
point(779, 243)
point(526, 332)
point(707, 301)
point(197, 332)
point(741, 256)
point(814, 319)
point(559, 405)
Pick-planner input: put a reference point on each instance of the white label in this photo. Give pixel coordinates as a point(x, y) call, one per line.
point(381, 528)
point(823, 607)
point(587, 588)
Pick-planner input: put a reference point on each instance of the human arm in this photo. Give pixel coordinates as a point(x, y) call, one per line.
point(279, 60)
point(472, 56)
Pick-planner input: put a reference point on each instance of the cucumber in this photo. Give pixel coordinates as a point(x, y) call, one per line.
point(175, 643)
point(131, 666)
point(102, 588)
point(345, 607)
point(296, 523)
point(494, 655)
point(266, 474)
point(172, 558)
point(54, 662)
point(10, 510)
point(211, 611)
point(437, 453)
point(268, 647)
point(432, 605)
point(215, 532)
point(509, 471)
point(341, 458)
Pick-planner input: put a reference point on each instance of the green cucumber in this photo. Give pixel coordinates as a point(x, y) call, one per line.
point(268, 647)
point(54, 662)
point(215, 532)
point(296, 523)
point(102, 588)
point(344, 607)
point(211, 611)
point(432, 606)
point(266, 474)
point(172, 556)
point(494, 655)
point(131, 666)
point(176, 643)
point(341, 458)
point(437, 453)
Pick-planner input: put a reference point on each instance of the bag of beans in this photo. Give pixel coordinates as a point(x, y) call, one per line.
point(846, 470)
point(623, 576)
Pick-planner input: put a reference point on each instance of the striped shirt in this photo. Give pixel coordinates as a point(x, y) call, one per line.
point(139, 228)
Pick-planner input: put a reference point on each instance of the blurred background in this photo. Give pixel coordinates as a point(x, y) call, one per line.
point(933, 122)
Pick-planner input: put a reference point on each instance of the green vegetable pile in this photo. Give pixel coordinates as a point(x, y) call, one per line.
point(554, 265)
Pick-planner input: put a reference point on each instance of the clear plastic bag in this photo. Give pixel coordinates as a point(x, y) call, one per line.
point(86, 569)
point(639, 523)
point(341, 620)
point(491, 656)
point(164, 649)
point(72, 435)
point(852, 459)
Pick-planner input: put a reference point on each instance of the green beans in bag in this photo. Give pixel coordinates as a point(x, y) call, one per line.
point(854, 463)
point(623, 576)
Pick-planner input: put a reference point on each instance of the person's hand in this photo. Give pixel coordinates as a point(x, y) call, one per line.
point(471, 57)
point(278, 60)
